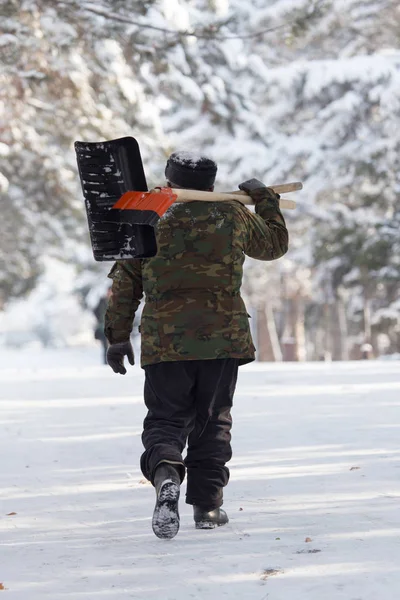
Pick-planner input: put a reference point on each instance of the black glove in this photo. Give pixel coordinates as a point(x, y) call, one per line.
point(258, 191)
point(115, 356)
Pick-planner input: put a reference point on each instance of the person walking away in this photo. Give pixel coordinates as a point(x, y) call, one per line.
point(194, 333)
point(99, 312)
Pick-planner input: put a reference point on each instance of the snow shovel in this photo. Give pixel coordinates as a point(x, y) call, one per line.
point(121, 213)
point(148, 207)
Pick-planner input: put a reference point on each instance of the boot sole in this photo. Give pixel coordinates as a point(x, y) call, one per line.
point(166, 513)
point(205, 525)
point(209, 524)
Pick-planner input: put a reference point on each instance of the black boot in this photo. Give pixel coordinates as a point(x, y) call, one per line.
point(166, 514)
point(208, 519)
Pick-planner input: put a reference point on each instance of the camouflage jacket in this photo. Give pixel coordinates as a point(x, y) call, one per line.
point(193, 309)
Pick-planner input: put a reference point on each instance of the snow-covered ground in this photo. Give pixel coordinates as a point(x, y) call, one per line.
point(314, 497)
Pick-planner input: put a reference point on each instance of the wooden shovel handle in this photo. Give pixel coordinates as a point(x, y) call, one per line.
point(282, 188)
point(191, 195)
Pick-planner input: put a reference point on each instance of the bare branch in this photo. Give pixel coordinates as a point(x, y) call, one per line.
point(206, 33)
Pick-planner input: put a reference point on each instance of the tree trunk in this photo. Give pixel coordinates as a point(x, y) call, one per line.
point(299, 329)
point(265, 350)
point(328, 332)
point(294, 338)
point(273, 334)
point(338, 330)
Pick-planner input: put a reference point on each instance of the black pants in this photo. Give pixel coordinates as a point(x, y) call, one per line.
point(191, 401)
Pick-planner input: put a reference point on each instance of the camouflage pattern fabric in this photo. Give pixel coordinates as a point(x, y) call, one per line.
point(193, 308)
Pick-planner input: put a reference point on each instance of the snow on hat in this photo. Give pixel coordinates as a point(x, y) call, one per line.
point(192, 171)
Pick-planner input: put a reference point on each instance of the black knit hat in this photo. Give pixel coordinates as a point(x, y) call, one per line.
point(192, 171)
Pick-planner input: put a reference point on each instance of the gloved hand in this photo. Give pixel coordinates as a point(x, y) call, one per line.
point(115, 356)
point(258, 191)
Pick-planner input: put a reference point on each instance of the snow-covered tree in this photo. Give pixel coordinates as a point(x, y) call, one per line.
point(279, 89)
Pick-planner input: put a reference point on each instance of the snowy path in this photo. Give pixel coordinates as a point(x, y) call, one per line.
point(316, 455)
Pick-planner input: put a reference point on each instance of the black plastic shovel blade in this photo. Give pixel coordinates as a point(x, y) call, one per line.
point(107, 170)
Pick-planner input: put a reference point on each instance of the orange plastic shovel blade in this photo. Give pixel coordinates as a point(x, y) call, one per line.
point(156, 201)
